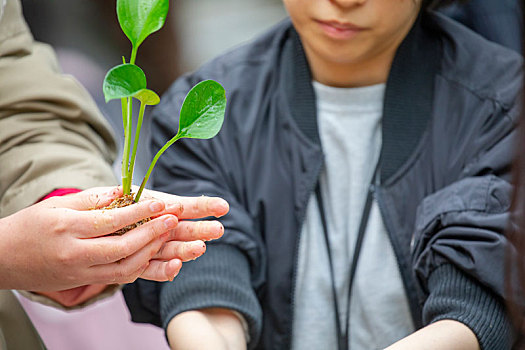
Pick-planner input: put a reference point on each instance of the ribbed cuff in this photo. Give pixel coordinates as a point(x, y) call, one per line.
point(456, 296)
point(219, 278)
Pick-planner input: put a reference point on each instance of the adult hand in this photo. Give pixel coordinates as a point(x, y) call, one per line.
point(59, 243)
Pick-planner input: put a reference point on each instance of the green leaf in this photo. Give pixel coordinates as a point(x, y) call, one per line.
point(122, 81)
point(140, 18)
point(202, 112)
point(147, 96)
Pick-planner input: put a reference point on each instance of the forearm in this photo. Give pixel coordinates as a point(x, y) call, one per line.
point(445, 334)
point(219, 279)
point(216, 328)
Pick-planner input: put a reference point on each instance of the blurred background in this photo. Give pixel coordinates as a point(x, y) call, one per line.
point(88, 41)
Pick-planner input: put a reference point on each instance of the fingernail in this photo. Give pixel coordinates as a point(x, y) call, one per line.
point(170, 223)
point(222, 205)
point(155, 206)
point(176, 207)
point(197, 245)
point(217, 228)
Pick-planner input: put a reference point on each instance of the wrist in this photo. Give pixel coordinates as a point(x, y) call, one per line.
point(14, 235)
point(444, 334)
point(214, 328)
point(8, 257)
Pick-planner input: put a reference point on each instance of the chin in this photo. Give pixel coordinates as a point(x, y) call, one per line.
point(342, 57)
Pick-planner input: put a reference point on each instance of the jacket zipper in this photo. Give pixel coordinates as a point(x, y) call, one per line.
point(296, 257)
point(386, 220)
point(294, 285)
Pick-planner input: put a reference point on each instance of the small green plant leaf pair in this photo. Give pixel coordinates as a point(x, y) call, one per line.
point(128, 80)
point(202, 112)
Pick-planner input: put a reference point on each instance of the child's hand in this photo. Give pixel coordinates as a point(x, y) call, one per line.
point(186, 241)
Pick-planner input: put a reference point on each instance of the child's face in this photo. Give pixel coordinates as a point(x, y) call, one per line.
point(343, 32)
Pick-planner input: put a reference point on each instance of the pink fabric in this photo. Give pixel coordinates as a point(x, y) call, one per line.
point(104, 325)
point(60, 192)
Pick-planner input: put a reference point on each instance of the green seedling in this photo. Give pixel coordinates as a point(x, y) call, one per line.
point(202, 112)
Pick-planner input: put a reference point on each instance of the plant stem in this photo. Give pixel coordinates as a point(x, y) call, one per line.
point(137, 134)
point(124, 114)
point(124, 170)
point(133, 54)
point(126, 180)
point(153, 162)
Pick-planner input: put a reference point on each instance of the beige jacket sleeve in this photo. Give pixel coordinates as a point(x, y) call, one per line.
point(51, 132)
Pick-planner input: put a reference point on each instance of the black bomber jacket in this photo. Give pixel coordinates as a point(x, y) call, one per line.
point(448, 122)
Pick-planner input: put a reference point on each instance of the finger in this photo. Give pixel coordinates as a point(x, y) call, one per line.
point(191, 207)
point(197, 230)
point(128, 269)
point(105, 221)
point(162, 271)
point(93, 198)
point(108, 249)
point(184, 251)
point(199, 207)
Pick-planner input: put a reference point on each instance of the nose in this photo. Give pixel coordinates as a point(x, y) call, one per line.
point(348, 3)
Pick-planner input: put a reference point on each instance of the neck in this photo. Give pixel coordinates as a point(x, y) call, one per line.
point(365, 71)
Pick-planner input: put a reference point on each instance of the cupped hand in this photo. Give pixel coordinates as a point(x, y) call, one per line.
point(60, 243)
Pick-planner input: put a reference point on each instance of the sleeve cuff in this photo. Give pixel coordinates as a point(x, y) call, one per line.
point(220, 278)
point(60, 192)
point(456, 296)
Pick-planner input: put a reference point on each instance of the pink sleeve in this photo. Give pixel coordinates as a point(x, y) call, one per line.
point(60, 192)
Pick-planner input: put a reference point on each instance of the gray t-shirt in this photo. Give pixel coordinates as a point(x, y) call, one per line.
point(350, 131)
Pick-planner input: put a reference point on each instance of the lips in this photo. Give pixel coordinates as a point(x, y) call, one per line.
point(339, 30)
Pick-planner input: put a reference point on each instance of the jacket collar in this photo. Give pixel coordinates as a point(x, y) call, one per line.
point(408, 97)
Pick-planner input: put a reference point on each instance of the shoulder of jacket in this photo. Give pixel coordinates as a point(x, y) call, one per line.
point(239, 69)
point(486, 69)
